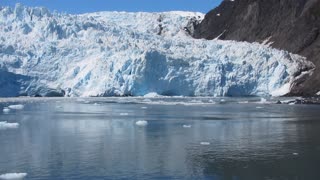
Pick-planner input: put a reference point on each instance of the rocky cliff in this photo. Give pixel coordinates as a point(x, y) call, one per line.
point(291, 25)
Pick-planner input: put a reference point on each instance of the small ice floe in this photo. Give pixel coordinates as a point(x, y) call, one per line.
point(124, 114)
point(142, 123)
point(243, 102)
point(6, 125)
point(211, 101)
point(205, 143)
point(297, 101)
point(222, 100)
point(186, 126)
point(318, 93)
point(96, 104)
point(263, 101)
point(259, 107)
point(295, 154)
point(147, 100)
point(6, 110)
point(152, 95)
point(16, 106)
point(144, 107)
point(13, 176)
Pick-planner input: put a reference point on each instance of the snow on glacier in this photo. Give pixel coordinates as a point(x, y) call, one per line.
point(121, 54)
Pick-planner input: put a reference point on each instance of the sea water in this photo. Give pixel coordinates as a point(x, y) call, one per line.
point(178, 138)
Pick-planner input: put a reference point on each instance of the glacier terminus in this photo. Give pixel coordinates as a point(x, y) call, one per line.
point(45, 53)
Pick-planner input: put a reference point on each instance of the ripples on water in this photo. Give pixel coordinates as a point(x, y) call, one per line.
point(185, 138)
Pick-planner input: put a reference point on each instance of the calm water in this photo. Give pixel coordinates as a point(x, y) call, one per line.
point(97, 139)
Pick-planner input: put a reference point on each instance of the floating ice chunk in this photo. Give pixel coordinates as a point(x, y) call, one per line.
point(318, 93)
point(292, 103)
point(6, 125)
point(144, 107)
point(222, 100)
point(186, 126)
point(6, 110)
point(263, 101)
point(13, 176)
point(259, 107)
point(142, 123)
point(205, 143)
point(152, 95)
point(124, 114)
point(16, 106)
point(243, 102)
point(295, 154)
point(147, 100)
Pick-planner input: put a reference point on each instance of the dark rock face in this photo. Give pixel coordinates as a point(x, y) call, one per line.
point(292, 25)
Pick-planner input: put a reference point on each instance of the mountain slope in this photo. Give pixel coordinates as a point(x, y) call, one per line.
point(120, 54)
point(291, 25)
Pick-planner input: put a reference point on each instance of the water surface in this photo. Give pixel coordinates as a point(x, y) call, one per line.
point(97, 138)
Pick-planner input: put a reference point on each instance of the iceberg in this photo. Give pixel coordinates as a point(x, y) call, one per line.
point(205, 143)
point(133, 54)
point(6, 110)
point(5, 125)
point(16, 106)
point(142, 123)
point(13, 176)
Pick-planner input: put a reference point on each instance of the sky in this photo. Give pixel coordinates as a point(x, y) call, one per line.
point(85, 6)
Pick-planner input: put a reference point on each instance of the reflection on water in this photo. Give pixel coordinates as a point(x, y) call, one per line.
point(98, 139)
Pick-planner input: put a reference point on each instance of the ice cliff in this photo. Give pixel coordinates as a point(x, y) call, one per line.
point(121, 53)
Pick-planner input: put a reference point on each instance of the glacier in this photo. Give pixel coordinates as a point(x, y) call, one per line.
point(45, 53)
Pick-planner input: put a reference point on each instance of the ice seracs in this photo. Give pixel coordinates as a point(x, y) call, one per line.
point(132, 54)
